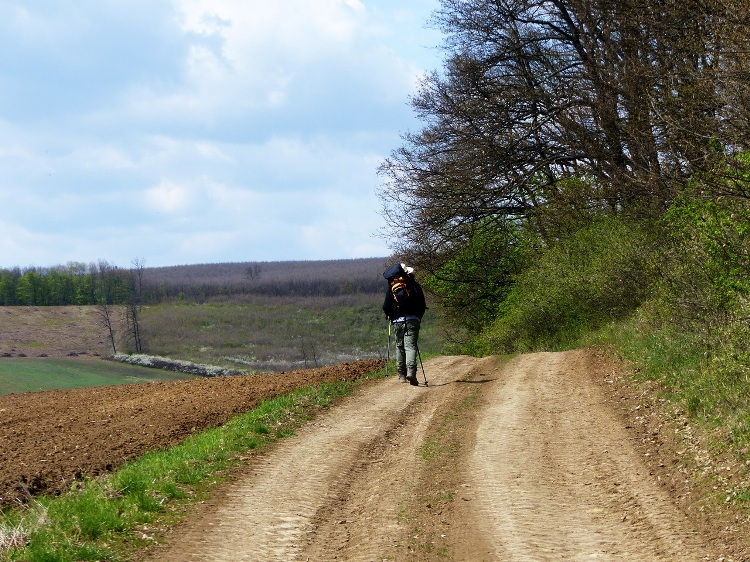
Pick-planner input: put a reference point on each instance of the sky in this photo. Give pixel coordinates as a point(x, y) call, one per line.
point(202, 131)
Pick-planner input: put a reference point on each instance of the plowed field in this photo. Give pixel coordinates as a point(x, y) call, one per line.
point(48, 439)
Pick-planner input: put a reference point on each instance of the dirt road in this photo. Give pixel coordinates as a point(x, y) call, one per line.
point(522, 461)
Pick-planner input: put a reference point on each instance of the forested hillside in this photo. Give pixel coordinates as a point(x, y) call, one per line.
point(582, 174)
point(105, 283)
point(290, 278)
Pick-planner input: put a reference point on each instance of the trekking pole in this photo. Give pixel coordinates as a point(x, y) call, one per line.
point(420, 362)
point(388, 357)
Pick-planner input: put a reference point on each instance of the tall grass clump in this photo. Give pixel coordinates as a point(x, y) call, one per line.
point(693, 336)
point(598, 274)
point(105, 518)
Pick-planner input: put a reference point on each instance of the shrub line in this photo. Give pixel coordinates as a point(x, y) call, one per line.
point(177, 365)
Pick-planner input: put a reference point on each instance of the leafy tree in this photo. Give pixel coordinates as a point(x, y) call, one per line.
point(536, 94)
point(60, 287)
point(8, 282)
point(475, 279)
point(29, 288)
point(85, 287)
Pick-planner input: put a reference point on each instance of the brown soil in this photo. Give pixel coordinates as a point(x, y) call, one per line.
point(50, 439)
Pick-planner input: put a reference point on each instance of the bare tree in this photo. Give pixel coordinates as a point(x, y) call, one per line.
point(253, 271)
point(626, 94)
point(107, 318)
point(134, 304)
point(308, 350)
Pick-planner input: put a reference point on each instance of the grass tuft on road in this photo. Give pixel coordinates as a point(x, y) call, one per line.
point(425, 511)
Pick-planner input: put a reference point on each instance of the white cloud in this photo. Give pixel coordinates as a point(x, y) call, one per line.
point(295, 28)
point(168, 197)
point(200, 130)
point(297, 56)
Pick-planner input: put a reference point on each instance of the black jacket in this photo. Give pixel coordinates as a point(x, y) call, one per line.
point(416, 306)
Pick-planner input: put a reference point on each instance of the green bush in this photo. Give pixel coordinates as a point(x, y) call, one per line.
point(705, 280)
point(477, 276)
point(703, 298)
point(598, 274)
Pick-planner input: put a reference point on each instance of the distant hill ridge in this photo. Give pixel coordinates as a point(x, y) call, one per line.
point(282, 278)
point(81, 284)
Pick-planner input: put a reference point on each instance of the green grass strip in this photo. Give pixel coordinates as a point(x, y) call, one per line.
point(108, 518)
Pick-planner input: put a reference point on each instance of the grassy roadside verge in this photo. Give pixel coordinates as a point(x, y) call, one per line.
point(704, 400)
point(112, 518)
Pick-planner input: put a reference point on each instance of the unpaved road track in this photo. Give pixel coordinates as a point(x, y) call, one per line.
point(518, 461)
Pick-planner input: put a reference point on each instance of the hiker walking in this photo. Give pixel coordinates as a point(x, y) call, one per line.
point(404, 306)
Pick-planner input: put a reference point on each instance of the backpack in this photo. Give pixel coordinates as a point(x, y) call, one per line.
point(402, 290)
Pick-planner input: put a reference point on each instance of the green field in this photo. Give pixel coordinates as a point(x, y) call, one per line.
point(26, 374)
point(266, 334)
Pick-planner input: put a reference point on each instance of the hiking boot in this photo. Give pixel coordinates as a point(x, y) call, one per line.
point(413, 380)
point(402, 378)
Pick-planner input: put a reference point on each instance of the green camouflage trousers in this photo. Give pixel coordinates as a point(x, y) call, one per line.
point(407, 334)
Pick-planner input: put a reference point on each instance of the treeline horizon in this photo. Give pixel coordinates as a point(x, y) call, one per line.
point(78, 283)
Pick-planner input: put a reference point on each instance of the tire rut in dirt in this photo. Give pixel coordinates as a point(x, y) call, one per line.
point(374, 518)
point(362, 520)
point(554, 477)
point(328, 492)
